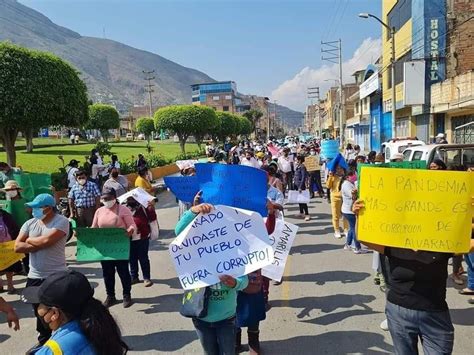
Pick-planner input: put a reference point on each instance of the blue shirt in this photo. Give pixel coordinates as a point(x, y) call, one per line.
point(84, 196)
point(70, 339)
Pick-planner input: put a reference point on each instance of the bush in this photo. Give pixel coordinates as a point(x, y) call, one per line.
point(193, 155)
point(59, 179)
point(104, 149)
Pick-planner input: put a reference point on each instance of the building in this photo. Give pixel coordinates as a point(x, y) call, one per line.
point(452, 100)
point(221, 96)
point(259, 103)
point(420, 42)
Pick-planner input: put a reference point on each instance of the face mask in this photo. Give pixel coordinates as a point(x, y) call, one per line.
point(108, 204)
point(352, 178)
point(82, 181)
point(312, 152)
point(37, 213)
point(12, 193)
point(97, 155)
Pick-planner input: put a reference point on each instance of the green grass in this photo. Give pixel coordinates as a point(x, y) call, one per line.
point(46, 159)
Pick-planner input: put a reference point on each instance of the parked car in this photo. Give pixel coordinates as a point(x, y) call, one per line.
point(141, 137)
point(454, 155)
point(129, 137)
point(398, 145)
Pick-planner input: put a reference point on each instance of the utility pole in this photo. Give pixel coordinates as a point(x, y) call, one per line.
point(149, 89)
point(333, 52)
point(313, 93)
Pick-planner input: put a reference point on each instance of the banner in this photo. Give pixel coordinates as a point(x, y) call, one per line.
point(8, 257)
point(184, 188)
point(33, 184)
point(233, 185)
point(416, 209)
point(311, 163)
point(227, 241)
point(273, 151)
point(140, 195)
point(17, 209)
point(97, 244)
point(281, 240)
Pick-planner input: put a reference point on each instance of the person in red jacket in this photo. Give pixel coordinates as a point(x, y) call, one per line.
point(141, 240)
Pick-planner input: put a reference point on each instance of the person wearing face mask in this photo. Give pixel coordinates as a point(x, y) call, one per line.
point(44, 237)
point(141, 240)
point(117, 182)
point(315, 175)
point(83, 200)
point(114, 215)
point(80, 323)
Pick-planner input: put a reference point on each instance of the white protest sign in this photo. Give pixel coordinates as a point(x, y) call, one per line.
point(294, 196)
point(281, 240)
point(140, 195)
point(184, 164)
point(227, 241)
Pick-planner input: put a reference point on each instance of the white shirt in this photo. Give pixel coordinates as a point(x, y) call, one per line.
point(347, 201)
point(252, 162)
point(284, 164)
point(71, 176)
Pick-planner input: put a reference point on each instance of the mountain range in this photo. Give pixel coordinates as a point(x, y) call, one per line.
point(112, 71)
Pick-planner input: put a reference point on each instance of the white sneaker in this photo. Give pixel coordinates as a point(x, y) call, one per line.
point(307, 218)
point(347, 247)
point(384, 325)
point(337, 235)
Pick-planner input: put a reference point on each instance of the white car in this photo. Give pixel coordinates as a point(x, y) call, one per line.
point(398, 146)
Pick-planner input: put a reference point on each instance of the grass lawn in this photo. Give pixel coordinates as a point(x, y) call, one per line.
point(46, 159)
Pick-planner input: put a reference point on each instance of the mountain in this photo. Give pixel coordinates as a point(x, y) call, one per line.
point(291, 118)
point(112, 71)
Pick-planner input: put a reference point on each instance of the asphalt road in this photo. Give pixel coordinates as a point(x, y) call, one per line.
point(327, 303)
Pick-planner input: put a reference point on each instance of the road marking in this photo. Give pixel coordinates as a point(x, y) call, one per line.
point(285, 291)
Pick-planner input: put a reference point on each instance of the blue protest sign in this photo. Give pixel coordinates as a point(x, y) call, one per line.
point(233, 185)
point(183, 187)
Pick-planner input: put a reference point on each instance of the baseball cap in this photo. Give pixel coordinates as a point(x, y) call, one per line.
point(68, 290)
point(73, 162)
point(440, 135)
point(42, 200)
point(109, 192)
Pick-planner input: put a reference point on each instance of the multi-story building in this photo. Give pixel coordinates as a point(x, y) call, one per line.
point(452, 100)
point(420, 41)
point(221, 96)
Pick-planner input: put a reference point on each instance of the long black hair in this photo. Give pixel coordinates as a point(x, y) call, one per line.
point(100, 328)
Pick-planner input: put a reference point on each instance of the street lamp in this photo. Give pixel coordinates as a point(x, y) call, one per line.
point(392, 60)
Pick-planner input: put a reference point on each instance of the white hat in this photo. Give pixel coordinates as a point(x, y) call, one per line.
point(440, 135)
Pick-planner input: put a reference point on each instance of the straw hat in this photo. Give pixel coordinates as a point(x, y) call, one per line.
point(11, 185)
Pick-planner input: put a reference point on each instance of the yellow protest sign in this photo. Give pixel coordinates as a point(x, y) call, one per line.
point(416, 209)
point(311, 163)
point(8, 256)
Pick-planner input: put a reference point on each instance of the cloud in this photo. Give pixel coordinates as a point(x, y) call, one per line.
point(292, 92)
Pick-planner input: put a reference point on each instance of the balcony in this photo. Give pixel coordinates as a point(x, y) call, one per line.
point(453, 95)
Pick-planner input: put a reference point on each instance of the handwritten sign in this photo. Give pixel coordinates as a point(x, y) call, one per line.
point(281, 240)
point(140, 195)
point(96, 244)
point(311, 163)
point(416, 209)
point(227, 241)
point(233, 185)
point(8, 257)
point(184, 164)
point(183, 187)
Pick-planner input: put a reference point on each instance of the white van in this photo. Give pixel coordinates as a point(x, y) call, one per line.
point(454, 155)
point(398, 145)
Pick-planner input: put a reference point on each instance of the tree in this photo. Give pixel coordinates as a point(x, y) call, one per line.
point(227, 124)
point(245, 126)
point(253, 115)
point(103, 117)
point(37, 89)
point(145, 125)
point(185, 121)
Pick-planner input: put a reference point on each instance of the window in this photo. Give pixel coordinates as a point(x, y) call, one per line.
point(195, 99)
point(399, 15)
point(225, 108)
point(399, 67)
point(365, 103)
point(406, 154)
point(228, 97)
point(215, 98)
point(417, 155)
point(357, 107)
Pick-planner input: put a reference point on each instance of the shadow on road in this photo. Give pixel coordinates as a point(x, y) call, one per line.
point(334, 318)
point(161, 304)
point(462, 316)
point(166, 341)
point(313, 248)
point(339, 342)
point(326, 304)
point(329, 276)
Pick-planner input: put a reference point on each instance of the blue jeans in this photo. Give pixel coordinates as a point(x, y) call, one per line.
point(469, 259)
point(351, 235)
point(139, 253)
point(435, 330)
point(216, 338)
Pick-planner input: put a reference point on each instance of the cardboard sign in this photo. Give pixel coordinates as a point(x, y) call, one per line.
point(416, 209)
point(281, 241)
point(140, 195)
point(184, 188)
point(227, 241)
point(233, 185)
point(8, 257)
point(97, 244)
point(311, 163)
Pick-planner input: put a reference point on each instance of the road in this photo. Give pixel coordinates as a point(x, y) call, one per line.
point(327, 303)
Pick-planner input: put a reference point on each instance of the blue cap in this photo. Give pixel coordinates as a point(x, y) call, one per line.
point(42, 200)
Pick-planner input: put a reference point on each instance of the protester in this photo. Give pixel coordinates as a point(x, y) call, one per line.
point(71, 169)
point(349, 152)
point(143, 181)
point(83, 200)
point(8, 232)
point(44, 237)
point(114, 164)
point(300, 180)
point(117, 182)
point(379, 159)
point(216, 331)
point(285, 164)
point(333, 183)
point(80, 323)
point(348, 191)
point(371, 157)
point(315, 175)
point(141, 240)
point(249, 160)
point(97, 167)
point(72, 138)
point(441, 139)
point(76, 138)
point(141, 162)
point(114, 215)
point(7, 173)
point(273, 179)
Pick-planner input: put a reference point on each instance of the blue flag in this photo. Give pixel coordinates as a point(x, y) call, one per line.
point(183, 187)
point(233, 185)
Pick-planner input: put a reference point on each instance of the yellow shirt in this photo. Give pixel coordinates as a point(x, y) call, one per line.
point(144, 184)
point(332, 184)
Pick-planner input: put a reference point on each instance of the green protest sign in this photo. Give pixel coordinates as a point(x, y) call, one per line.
point(97, 244)
point(17, 209)
point(33, 184)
